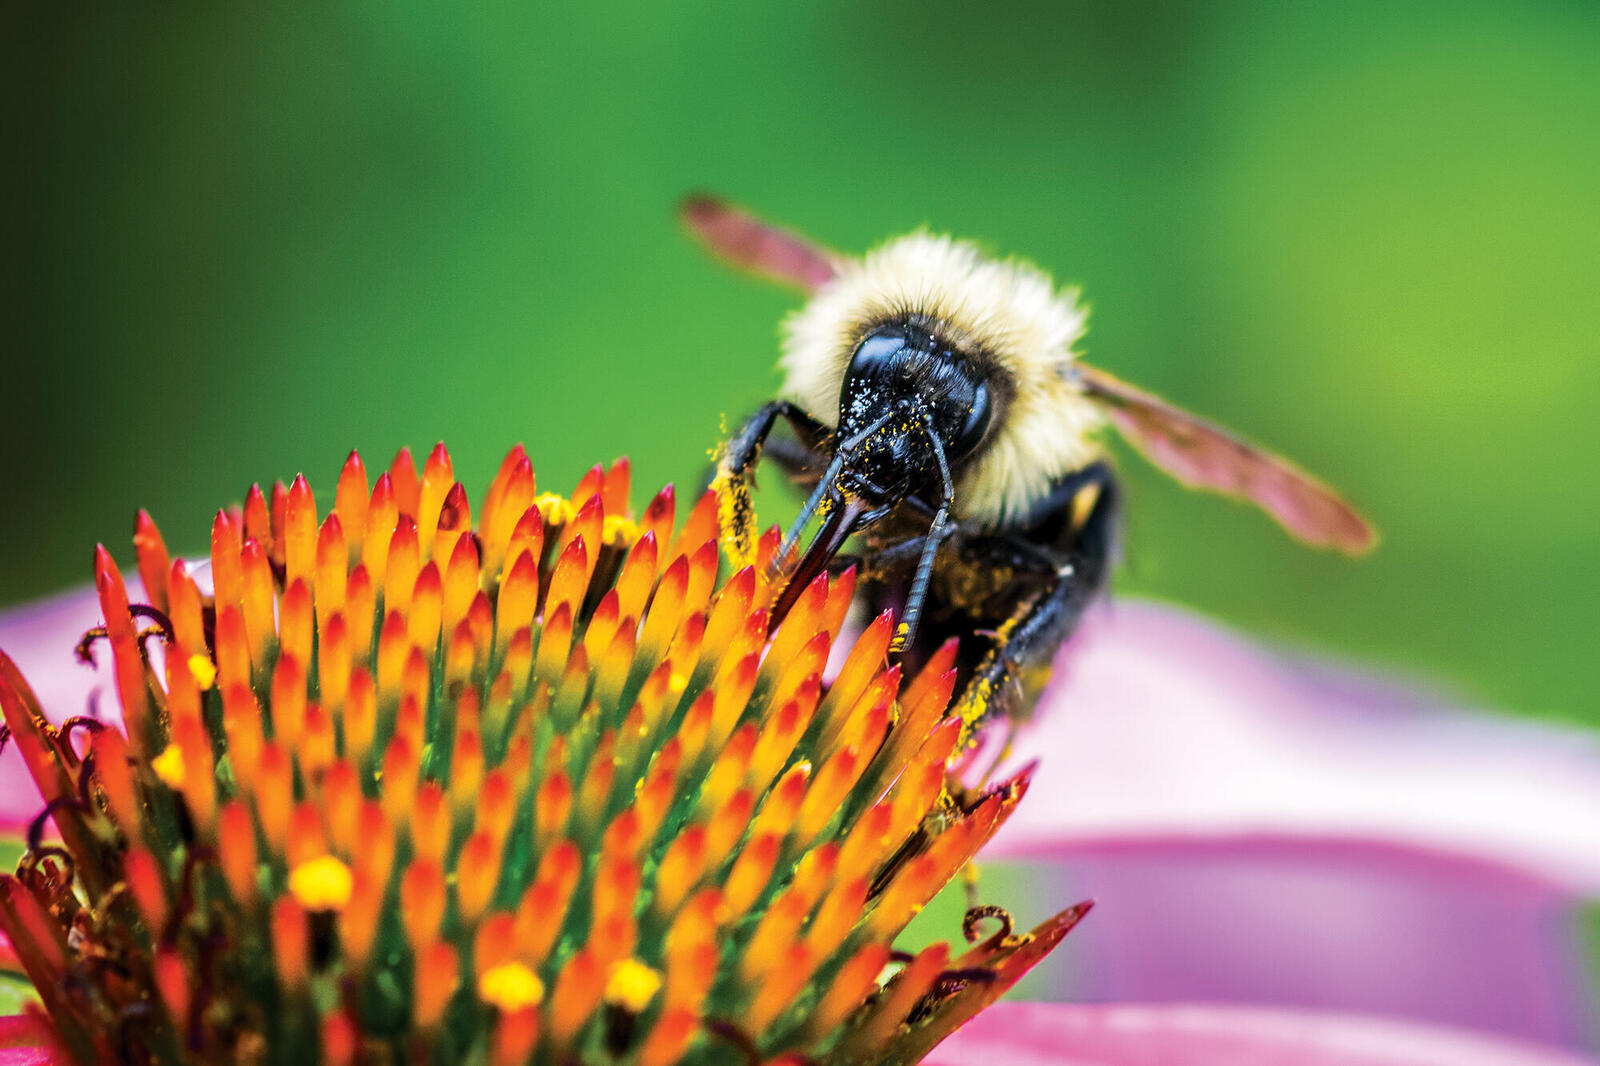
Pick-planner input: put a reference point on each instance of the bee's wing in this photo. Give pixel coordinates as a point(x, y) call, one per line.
point(746, 242)
point(1207, 456)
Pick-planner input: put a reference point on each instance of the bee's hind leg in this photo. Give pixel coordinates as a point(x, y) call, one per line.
point(1065, 544)
point(735, 467)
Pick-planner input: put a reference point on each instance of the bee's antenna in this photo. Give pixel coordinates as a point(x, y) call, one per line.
point(826, 485)
point(941, 528)
point(801, 520)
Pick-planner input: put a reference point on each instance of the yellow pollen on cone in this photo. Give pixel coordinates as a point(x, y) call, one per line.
point(555, 510)
point(203, 670)
point(631, 985)
point(321, 884)
point(511, 986)
point(618, 529)
point(169, 766)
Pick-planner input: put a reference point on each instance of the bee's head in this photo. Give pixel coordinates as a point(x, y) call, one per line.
point(910, 411)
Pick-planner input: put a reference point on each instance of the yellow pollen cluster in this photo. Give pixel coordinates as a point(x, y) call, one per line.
point(631, 985)
point(321, 884)
point(169, 766)
point(205, 674)
point(510, 986)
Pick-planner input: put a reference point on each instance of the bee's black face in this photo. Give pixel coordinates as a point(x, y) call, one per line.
point(911, 411)
point(936, 401)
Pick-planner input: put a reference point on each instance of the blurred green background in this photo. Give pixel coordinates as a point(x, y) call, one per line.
point(239, 244)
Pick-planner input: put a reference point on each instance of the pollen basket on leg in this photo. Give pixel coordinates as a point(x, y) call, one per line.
point(423, 780)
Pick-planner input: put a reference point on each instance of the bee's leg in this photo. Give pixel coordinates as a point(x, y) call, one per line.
point(800, 463)
point(1065, 544)
point(735, 465)
point(939, 530)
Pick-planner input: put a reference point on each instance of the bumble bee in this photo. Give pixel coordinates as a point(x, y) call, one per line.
point(942, 417)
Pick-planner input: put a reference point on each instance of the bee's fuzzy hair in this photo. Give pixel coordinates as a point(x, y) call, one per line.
point(1006, 311)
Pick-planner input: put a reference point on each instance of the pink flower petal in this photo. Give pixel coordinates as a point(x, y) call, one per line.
point(1334, 925)
point(1050, 1034)
point(1161, 725)
point(40, 637)
point(25, 1041)
point(1261, 830)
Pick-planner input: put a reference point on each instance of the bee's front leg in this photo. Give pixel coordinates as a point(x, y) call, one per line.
point(735, 471)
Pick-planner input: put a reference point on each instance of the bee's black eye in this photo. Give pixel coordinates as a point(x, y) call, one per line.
point(880, 351)
point(977, 423)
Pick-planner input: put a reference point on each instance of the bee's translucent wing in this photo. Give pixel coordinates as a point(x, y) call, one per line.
point(746, 242)
point(1207, 456)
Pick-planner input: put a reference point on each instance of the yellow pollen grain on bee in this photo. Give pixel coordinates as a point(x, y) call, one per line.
point(1083, 503)
point(321, 884)
point(510, 986)
point(203, 670)
point(631, 985)
point(169, 766)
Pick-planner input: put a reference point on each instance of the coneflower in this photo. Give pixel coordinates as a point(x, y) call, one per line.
point(407, 784)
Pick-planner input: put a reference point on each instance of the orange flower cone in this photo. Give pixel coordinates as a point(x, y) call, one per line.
point(408, 782)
